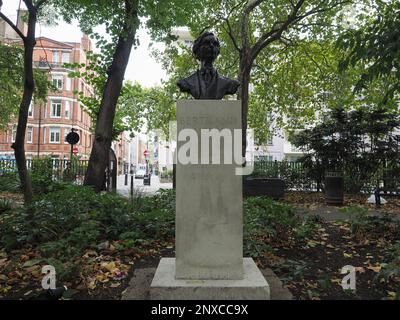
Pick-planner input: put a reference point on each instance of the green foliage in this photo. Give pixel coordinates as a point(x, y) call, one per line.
point(5, 205)
point(362, 143)
point(9, 182)
point(374, 45)
point(42, 174)
point(390, 272)
point(11, 83)
point(294, 174)
point(65, 222)
point(291, 69)
point(359, 221)
point(268, 222)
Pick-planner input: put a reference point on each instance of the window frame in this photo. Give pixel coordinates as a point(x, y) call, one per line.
point(59, 81)
point(29, 129)
point(54, 130)
point(52, 103)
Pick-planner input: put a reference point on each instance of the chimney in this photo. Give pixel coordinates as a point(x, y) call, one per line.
point(22, 18)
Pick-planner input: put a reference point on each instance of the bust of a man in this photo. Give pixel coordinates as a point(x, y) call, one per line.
point(206, 83)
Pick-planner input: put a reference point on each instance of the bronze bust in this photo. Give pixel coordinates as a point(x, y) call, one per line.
point(206, 83)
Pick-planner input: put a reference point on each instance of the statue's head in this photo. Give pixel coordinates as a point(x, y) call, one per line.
point(206, 47)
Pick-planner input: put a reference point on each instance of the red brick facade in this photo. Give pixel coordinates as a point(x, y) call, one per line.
point(49, 123)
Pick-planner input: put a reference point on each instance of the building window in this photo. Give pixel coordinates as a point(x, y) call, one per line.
point(68, 84)
point(65, 57)
point(58, 82)
point(270, 141)
point(29, 134)
point(54, 135)
point(56, 57)
point(14, 133)
point(67, 110)
point(30, 110)
point(55, 109)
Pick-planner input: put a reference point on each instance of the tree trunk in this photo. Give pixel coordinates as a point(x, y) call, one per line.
point(29, 87)
point(95, 174)
point(243, 95)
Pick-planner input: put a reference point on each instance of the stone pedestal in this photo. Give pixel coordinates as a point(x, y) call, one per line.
point(209, 236)
point(164, 286)
point(209, 209)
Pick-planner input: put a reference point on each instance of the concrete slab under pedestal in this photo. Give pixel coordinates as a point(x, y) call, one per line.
point(165, 287)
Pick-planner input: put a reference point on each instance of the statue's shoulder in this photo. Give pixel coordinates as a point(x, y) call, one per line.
point(231, 85)
point(189, 82)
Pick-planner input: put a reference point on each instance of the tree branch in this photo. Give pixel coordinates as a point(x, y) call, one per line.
point(251, 5)
point(40, 3)
point(230, 34)
point(275, 34)
point(12, 25)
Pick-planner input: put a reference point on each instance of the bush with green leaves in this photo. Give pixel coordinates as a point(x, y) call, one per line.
point(42, 174)
point(5, 205)
point(71, 219)
point(270, 222)
point(361, 143)
point(65, 222)
point(390, 272)
point(9, 182)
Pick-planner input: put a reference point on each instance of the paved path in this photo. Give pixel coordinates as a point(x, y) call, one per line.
point(330, 213)
point(138, 186)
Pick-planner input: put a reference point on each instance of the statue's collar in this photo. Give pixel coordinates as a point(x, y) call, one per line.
point(204, 71)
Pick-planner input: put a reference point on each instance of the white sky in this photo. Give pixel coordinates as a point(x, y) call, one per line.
point(141, 68)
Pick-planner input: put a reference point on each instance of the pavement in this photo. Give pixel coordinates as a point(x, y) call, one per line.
point(138, 187)
point(331, 213)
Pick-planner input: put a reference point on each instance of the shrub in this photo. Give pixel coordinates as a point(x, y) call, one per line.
point(42, 175)
point(9, 182)
point(5, 205)
point(268, 222)
point(65, 222)
point(390, 272)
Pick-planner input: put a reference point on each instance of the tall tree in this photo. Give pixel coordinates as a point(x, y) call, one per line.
point(121, 19)
point(253, 26)
point(29, 41)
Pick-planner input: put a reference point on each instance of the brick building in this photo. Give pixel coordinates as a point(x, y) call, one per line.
point(49, 123)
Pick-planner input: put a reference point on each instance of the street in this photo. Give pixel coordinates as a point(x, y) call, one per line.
point(138, 186)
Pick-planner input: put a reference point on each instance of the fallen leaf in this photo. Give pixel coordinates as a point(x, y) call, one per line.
point(360, 269)
point(115, 285)
point(374, 268)
point(110, 266)
point(31, 263)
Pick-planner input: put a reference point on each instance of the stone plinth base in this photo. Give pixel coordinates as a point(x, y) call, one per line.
point(165, 287)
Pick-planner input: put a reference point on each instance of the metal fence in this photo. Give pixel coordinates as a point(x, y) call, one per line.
point(61, 170)
point(299, 178)
point(58, 169)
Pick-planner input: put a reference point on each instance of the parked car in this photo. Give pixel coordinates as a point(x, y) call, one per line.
point(140, 173)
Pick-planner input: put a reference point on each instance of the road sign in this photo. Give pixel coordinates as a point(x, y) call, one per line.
point(72, 138)
point(75, 150)
point(146, 153)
